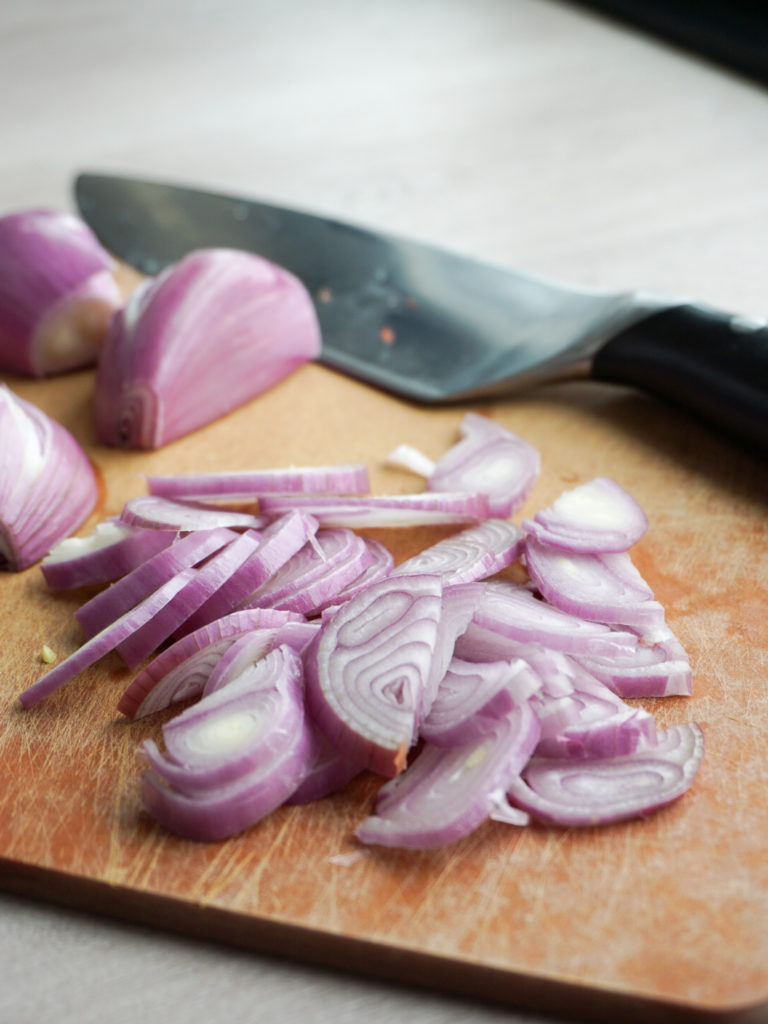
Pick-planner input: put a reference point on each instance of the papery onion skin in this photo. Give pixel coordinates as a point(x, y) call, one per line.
point(207, 335)
point(57, 293)
point(365, 673)
point(607, 790)
point(47, 485)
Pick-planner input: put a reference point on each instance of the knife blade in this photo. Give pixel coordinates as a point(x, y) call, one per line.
point(435, 326)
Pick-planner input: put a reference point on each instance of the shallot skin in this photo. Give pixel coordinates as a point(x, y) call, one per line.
point(205, 336)
point(57, 293)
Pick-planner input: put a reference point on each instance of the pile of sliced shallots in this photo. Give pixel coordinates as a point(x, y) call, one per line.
point(312, 658)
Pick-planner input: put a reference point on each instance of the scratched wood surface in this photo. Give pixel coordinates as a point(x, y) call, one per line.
point(673, 909)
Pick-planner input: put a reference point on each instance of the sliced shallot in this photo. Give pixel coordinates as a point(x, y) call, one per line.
point(252, 727)
point(111, 551)
point(206, 579)
point(366, 670)
point(475, 553)
point(448, 791)
point(105, 641)
point(605, 790)
point(660, 670)
point(185, 516)
point(121, 596)
point(511, 614)
point(279, 542)
point(314, 575)
point(488, 458)
point(472, 697)
point(181, 671)
point(598, 516)
point(599, 587)
point(383, 510)
point(590, 722)
point(248, 485)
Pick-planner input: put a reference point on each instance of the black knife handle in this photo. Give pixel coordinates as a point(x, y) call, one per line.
point(710, 363)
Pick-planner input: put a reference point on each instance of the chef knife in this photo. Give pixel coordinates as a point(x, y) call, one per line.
point(435, 326)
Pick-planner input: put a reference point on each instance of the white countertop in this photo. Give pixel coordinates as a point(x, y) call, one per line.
point(525, 131)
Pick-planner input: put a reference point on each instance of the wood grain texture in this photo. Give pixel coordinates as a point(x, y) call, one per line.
point(673, 909)
point(530, 133)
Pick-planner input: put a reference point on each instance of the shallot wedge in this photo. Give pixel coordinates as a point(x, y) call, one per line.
point(600, 587)
point(597, 517)
point(367, 668)
point(606, 790)
point(448, 791)
point(384, 510)
point(57, 293)
point(181, 671)
point(47, 485)
point(244, 749)
point(248, 485)
point(205, 336)
point(185, 516)
point(111, 551)
point(475, 553)
point(488, 458)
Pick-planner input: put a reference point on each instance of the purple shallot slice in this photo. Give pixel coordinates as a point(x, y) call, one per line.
point(475, 553)
point(604, 588)
point(605, 790)
point(367, 668)
point(244, 749)
point(596, 517)
point(447, 792)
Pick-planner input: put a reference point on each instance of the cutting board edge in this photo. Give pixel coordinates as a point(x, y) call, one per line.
point(368, 958)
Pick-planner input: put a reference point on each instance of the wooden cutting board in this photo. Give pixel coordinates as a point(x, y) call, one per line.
point(669, 912)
